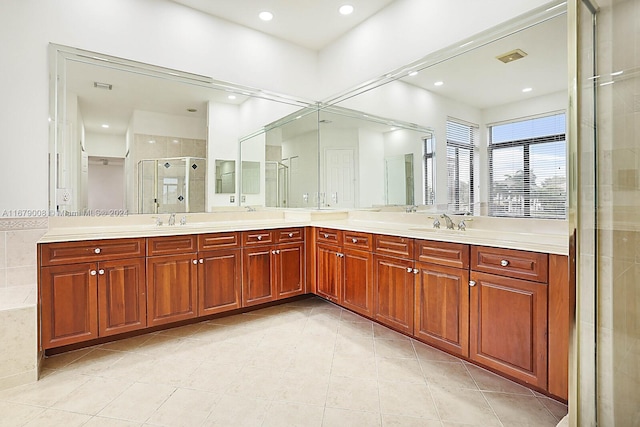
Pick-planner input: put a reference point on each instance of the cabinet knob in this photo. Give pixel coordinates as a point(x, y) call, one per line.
point(93, 272)
point(101, 272)
point(277, 251)
point(504, 263)
point(97, 250)
point(416, 271)
point(273, 252)
point(409, 270)
point(259, 237)
point(201, 261)
point(354, 240)
point(472, 283)
point(290, 234)
point(326, 236)
point(195, 261)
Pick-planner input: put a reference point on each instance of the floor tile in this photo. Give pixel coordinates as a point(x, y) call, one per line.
point(407, 399)
point(308, 389)
point(557, 409)
point(354, 367)
point(256, 383)
point(184, 408)
point(394, 348)
point(448, 374)
point(519, 410)
point(92, 396)
point(138, 402)
point(335, 417)
point(288, 414)
point(464, 407)
point(404, 421)
point(354, 347)
point(46, 391)
point(237, 411)
point(488, 381)
point(110, 422)
point(54, 417)
point(351, 393)
point(94, 362)
point(400, 370)
point(59, 361)
point(382, 332)
point(426, 353)
point(213, 376)
point(17, 414)
point(355, 329)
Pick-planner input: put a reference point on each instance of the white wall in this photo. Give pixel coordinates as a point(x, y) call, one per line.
point(152, 123)
point(106, 186)
point(371, 161)
point(223, 129)
point(105, 145)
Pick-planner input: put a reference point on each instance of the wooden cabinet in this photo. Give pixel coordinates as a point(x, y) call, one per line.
point(171, 279)
point(273, 265)
point(394, 292)
point(441, 315)
point(219, 272)
point(85, 300)
point(508, 315)
point(345, 269)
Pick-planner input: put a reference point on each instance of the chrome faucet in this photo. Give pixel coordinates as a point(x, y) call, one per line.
point(448, 221)
point(183, 220)
point(412, 208)
point(172, 219)
point(250, 209)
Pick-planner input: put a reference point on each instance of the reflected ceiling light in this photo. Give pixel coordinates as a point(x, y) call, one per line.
point(151, 141)
point(175, 141)
point(466, 44)
point(438, 83)
point(191, 110)
point(266, 16)
point(607, 83)
point(527, 89)
point(346, 9)
point(298, 117)
point(106, 126)
point(231, 97)
point(617, 73)
point(413, 73)
point(556, 6)
point(393, 128)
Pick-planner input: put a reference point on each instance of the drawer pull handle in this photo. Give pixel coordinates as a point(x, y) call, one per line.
point(326, 236)
point(273, 252)
point(259, 237)
point(93, 272)
point(472, 283)
point(101, 272)
point(290, 234)
point(97, 250)
point(354, 240)
point(195, 261)
point(504, 263)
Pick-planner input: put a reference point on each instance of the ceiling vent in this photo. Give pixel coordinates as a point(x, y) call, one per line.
point(105, 86)
point(514, 55)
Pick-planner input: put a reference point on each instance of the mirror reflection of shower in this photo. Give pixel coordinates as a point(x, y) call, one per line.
point(171, 185)
point(276, 184)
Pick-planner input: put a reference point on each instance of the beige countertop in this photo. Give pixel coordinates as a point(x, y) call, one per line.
point(549, 236)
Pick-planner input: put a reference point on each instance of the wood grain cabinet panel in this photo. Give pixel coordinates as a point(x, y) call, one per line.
point(508, 326)
point(62, 253)
point(329, 272)
point(171, 245)
point(442, 307)
point(121, 296)
point(510, 262)
point(289, 273)
point(171, 288)
point(222, 240)
point(69, 296)
point(394, 292)
point(257, 284)
point(219, 281)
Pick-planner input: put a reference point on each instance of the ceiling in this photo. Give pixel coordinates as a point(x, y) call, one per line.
point(475, 78)
point(312, 24)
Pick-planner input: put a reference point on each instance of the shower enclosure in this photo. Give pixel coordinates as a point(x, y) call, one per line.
point(276, 184)
point(171, 185)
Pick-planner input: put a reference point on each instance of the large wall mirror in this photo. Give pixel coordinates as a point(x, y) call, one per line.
point(143, 139)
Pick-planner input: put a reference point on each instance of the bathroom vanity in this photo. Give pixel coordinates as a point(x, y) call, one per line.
point(498, 299)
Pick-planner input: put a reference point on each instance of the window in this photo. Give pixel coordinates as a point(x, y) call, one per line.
point(460, 144)
point(428, 163)
point(527, 167)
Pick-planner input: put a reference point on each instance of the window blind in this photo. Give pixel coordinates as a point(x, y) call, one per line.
point(429, 173)
point(527, 168)
point(460, 144)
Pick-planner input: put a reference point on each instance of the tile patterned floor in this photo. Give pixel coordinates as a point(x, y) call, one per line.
point(305, 363)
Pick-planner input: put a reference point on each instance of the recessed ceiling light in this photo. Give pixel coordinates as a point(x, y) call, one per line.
point(347, 9)
point(151, 141)
point(438, 83)
point(175, 141)
point(106, 126)
point(191, 110)
point(100, 85)
point(527, 89)
point(413, 73)
point(231, 97)
point(266, 16)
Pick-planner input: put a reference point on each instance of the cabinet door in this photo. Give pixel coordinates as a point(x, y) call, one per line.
point(289, 259)
point(357, 285)
point(219, 281)
point(257, 273)
point(121, 296)
point(171, 288)
point(442, 307)
point(509, 326)
point(393, 296)
point(69, 296)
point(329, 271)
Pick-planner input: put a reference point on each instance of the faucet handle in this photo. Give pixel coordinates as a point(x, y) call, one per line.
point(436, 223)
point(183, 220)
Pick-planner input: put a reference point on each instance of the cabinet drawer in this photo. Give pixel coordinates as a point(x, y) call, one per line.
point(328, 235)
point(171, 245)
point(510, 262)
point(356, 240)
point(394, 245)
point(285, 235)
point(259, 237)
point(443, 253)
point(90, 250)
point(211, 241)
